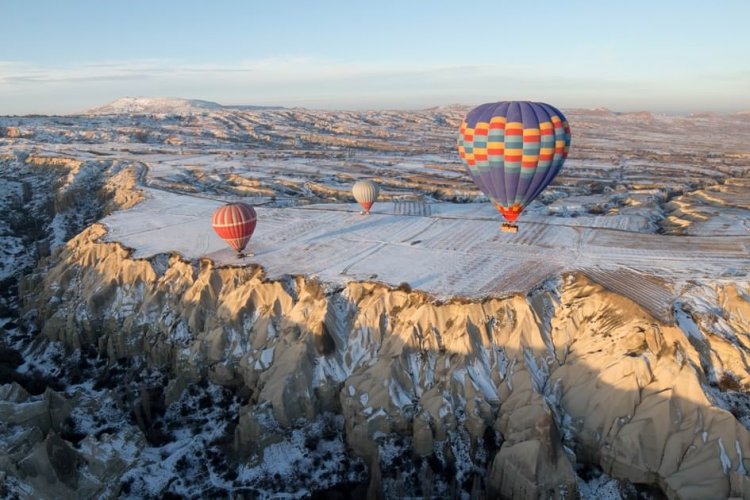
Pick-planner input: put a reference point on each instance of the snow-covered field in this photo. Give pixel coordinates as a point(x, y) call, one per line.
point(456, 251)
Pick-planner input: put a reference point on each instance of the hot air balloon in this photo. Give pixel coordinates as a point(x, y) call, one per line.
point(365, 192)
point(235, 223)
point(512, 151)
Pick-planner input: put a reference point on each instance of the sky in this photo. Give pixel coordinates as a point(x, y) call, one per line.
point(663, 56)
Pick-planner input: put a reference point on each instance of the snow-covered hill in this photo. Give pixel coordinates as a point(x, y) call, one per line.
point(154, 105)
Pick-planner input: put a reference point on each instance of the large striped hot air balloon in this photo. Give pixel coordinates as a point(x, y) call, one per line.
point(235, 223)
point(365, 192)
point(513, 150)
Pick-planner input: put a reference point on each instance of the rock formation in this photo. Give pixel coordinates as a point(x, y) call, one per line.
point(569, 376)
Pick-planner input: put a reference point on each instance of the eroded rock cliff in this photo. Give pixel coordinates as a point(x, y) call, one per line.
point(507, 396)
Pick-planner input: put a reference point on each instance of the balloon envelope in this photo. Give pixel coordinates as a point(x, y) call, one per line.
point(512, 150)
point(365, 192)
point(235, 223)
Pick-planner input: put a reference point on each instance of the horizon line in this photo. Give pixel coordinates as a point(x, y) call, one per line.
point(272, 107)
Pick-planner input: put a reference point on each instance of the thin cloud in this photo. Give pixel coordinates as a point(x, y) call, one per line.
point(313, 82)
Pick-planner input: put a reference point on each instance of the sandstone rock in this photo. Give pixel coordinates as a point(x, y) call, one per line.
point(570, 371)
point(20, 444)
point(256, 429)
point(531, 470)
point(422, 436)
point(46, 413)
point(287, 385)
point(13, 393)
point(108, 457)
point(51, 469)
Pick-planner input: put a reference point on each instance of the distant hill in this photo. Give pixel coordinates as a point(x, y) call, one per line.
point(140, 105)
point(705, 114)
point(249, 107)
point(637, 115)
point(176, 105)
point(599, 111)
point(165, 105)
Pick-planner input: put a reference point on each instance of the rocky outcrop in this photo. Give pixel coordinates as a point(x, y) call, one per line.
point(15, 133)
point(35, 431)
point(568, 376)
point(48, 199)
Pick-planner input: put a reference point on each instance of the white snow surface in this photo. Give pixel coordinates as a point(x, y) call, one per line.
point(457, 250)
point(602, 487)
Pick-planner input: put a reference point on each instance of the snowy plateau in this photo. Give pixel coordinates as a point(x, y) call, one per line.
point(417, 352)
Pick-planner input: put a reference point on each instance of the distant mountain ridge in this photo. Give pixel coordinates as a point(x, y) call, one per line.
point(153, 105)
point(158, 105)
point(177, 105)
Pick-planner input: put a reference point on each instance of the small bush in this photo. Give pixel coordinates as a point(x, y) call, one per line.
point(729, 382)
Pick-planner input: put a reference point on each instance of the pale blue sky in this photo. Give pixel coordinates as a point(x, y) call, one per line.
point(668, 56)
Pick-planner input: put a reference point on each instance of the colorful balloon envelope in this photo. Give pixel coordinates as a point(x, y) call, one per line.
point(512, 150)
point(235, 223)
point(365, 192)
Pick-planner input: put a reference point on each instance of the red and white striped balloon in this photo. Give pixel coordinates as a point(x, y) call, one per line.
point(235, 223)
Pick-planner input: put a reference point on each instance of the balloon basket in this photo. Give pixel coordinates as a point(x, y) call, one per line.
point(508, 228)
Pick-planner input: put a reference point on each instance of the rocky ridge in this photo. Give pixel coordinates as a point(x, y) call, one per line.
point(529, 388)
